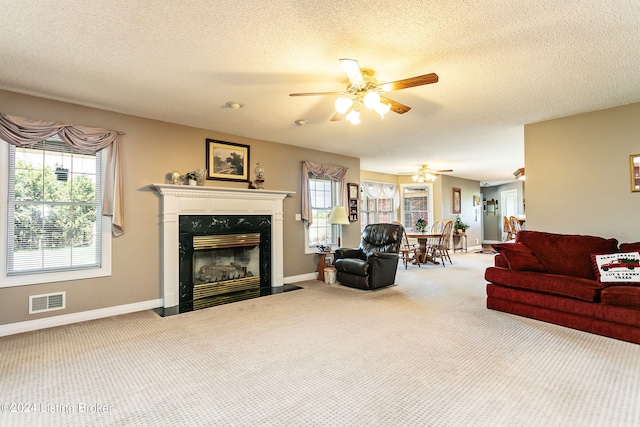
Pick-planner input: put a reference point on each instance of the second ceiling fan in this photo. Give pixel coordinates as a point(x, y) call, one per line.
point(425, 174)
point(364, 90)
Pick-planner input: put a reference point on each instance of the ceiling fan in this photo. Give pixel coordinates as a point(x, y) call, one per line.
point(425, 174)
point(364, 89)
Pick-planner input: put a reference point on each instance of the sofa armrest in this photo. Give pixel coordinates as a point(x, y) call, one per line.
point(499, 261)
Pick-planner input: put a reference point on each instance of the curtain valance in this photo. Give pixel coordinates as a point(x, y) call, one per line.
point(335, 173)
point(374, 190)
point(23, 132)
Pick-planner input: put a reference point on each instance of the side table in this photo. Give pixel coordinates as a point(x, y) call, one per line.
point(462, 240)
point(322, 263)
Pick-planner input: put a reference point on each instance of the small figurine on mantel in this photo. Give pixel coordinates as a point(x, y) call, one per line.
point(259, 176)
point(175, 178)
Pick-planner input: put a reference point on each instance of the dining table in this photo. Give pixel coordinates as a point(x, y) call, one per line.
point(425, 242)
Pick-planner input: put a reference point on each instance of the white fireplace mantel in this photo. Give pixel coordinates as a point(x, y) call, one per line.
point(199, 200)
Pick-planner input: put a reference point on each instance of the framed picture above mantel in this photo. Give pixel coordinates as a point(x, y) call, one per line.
point(227, 161)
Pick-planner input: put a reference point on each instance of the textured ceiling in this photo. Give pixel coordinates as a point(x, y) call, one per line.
point(502, 64)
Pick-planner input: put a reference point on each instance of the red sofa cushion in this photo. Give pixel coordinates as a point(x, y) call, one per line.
point(566, 254)
point(554, 284)
point(519, 257)
point(622, 296)
point(555, 306)
point(630, 247)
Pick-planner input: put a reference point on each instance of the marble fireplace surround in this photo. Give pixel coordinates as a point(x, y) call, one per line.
point(179, 200)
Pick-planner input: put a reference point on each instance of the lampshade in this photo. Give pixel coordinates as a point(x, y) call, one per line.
point(338, 215)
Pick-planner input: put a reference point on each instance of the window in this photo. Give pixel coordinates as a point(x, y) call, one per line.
point(54, 228)
point(416, 204)
point(324, 194)
point(376, 210)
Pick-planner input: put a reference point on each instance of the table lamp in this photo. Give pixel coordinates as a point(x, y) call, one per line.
point(338, 216)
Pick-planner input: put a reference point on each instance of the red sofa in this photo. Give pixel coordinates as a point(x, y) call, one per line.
point(551, 277)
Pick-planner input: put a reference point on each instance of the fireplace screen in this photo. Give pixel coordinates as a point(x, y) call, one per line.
point(225, 263)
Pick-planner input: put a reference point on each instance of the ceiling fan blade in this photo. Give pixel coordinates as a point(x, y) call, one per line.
point(317, 93)
point(410, 82)
point(396, 107)
point(444, 170)
point(337, 117)
point(353, 72)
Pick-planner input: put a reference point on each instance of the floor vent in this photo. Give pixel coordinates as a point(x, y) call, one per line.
point(46, 302)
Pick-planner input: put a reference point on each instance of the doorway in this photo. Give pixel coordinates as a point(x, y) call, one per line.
point(509, 200)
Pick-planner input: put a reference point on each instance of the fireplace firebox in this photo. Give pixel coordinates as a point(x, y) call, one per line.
point(223, 258)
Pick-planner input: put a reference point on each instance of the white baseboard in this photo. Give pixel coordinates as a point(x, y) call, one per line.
point(301, 278)
point(66, 319)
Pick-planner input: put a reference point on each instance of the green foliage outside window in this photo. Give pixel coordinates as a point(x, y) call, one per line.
point(52, 213)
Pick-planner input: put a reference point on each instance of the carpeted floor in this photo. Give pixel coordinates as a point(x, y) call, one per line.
point(423, 353)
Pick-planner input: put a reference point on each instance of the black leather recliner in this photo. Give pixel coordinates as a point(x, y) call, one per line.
point(374, 264)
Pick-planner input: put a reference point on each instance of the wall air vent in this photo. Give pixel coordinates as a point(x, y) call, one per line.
point(46, 302)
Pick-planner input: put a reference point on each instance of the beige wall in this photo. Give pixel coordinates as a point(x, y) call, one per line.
point(578, 175)
point(378, 177)
point(151, 150)
point(470, 214)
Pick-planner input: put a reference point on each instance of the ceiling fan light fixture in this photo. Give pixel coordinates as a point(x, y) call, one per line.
point(364, 89)
point(353, 117)
point(424, 175)
point(382, 109)
point(371, 100)
point(343, 104)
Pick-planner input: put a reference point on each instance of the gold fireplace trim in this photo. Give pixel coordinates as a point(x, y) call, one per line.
point(211, 289)
point(218, 241)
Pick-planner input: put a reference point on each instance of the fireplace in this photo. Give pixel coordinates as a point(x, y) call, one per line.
point(223, 258)
point(201, 217)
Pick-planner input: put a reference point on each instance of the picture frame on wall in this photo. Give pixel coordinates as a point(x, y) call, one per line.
point(635, 172)
point(227, 161)
point(353, 190)
point(456, 202)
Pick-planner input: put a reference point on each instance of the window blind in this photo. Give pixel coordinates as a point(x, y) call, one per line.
point(54, 212)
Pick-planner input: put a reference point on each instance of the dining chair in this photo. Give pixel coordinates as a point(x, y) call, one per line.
point(508, 229)
point(436, 228)
point(515, 225)
point(409, 252)
point(442, 248)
